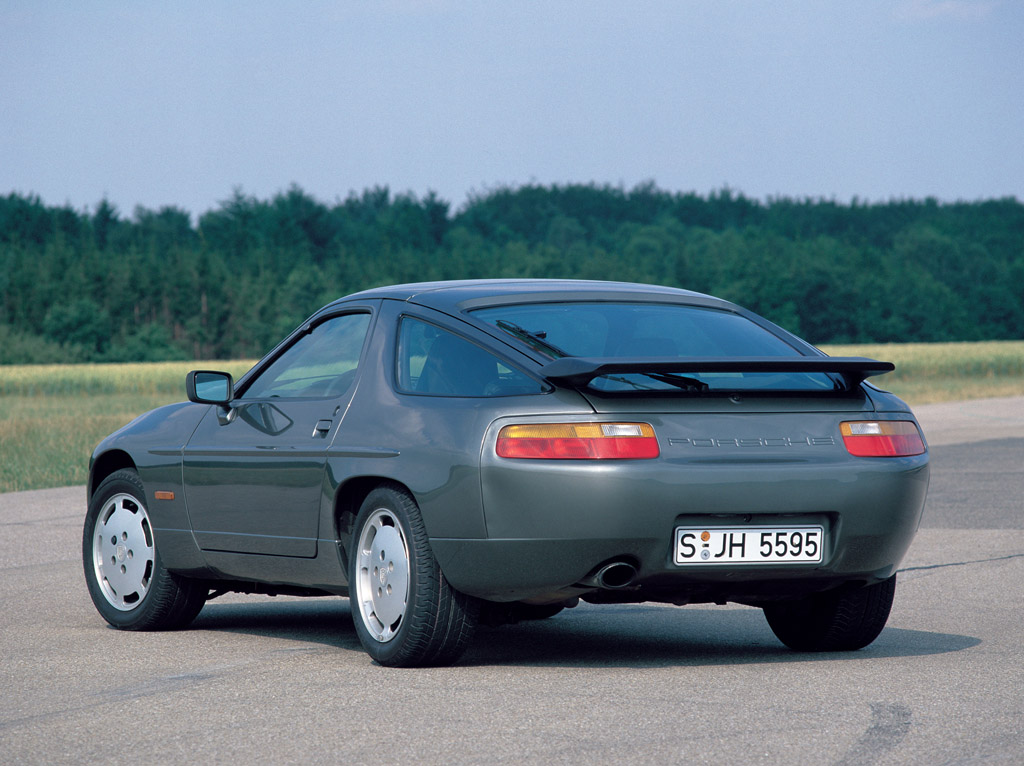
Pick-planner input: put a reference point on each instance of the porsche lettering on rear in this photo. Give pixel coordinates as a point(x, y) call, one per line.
point(758, 441)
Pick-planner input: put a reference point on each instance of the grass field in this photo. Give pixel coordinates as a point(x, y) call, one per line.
point(946, 372)
point(52, 416)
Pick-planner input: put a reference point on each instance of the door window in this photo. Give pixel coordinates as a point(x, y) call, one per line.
point(320, 364)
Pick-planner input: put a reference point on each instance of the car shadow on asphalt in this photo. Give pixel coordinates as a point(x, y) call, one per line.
point(633, 636)
point(325, 621)
point(655, 637)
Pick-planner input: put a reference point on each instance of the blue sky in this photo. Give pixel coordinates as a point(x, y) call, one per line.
point(154, 104)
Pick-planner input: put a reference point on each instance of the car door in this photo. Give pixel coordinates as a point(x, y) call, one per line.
point(253, 477)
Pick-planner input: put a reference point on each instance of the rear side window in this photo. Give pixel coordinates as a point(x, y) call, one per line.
point(434, 361)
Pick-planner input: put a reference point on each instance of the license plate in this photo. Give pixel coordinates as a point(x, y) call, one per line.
point(749, 545)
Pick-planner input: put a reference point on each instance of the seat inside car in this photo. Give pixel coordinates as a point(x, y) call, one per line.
point(455, 366)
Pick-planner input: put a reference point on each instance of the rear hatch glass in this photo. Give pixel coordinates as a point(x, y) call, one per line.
point(659, 331)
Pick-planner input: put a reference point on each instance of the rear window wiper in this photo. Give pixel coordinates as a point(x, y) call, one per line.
point(533, 338)
point(691, 385)
point(679, 381)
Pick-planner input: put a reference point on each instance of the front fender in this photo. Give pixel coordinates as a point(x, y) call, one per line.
point(153, 445)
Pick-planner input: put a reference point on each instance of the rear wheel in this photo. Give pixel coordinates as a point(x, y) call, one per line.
point(123, 571)
point(405, 612)
point(833, 622)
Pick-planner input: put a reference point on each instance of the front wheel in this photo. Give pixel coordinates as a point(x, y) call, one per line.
point(123, 571)
point(405, 612)
point(837, 621)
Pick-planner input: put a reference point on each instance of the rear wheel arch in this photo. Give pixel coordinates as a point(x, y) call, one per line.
point(347, 501)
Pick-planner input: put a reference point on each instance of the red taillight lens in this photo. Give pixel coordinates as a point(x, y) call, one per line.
point(578, 441)
point(882, 438)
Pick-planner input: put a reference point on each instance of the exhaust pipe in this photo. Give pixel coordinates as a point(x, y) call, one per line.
point(617, 574)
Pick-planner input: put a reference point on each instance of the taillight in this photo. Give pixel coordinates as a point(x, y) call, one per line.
point(578, 441)
point(882, 438)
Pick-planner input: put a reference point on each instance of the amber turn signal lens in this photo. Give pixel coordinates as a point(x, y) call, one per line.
point(882, 438)
point(578, 441)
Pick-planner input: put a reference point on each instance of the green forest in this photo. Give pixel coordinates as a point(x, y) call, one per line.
point(101, 285)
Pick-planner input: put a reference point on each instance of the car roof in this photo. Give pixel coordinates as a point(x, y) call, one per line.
point(458, 295)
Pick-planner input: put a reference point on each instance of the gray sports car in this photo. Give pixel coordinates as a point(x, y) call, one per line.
point(456, 452)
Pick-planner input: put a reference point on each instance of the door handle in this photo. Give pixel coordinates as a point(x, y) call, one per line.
point(323, 427)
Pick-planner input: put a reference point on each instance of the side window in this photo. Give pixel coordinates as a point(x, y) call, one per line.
point(320, 364)
point(438, 362)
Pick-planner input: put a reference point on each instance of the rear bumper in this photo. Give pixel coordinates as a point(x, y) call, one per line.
point(552, 525)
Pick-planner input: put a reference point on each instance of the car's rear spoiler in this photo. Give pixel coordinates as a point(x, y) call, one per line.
point(578, 371)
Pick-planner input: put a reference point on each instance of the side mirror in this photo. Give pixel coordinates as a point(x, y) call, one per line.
point(208, 387)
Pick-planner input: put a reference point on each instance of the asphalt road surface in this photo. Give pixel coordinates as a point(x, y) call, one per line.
point(284, 680)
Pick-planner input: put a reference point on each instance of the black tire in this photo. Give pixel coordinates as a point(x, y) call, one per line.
point(405, 612)
point(837, 621)
point(126, 578)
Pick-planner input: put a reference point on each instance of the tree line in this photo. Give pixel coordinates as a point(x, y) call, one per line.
point(97, 285)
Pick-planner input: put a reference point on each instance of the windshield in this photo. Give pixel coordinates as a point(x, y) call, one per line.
point(631, 330)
